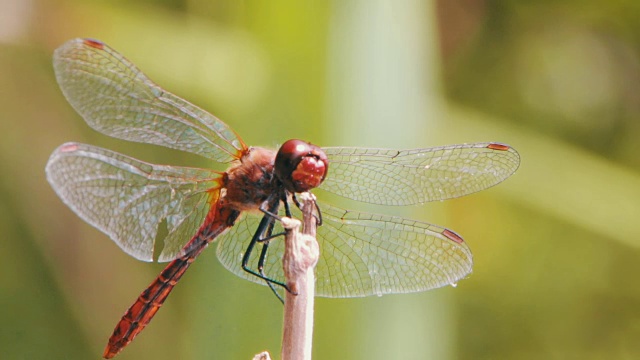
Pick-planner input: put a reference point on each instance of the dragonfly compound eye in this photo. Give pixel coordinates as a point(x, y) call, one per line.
point(301, 166)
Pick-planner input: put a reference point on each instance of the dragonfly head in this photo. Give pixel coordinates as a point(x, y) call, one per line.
point(301, 166)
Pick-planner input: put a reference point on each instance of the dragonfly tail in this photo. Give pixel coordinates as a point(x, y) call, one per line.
point(152, 298)
point(146, 306)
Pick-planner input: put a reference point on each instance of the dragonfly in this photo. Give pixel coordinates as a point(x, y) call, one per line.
point(129, 200)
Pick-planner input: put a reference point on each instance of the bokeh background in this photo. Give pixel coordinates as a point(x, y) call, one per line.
point(556, 246)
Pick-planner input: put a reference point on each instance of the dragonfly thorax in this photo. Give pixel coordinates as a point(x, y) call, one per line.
point(251, 181)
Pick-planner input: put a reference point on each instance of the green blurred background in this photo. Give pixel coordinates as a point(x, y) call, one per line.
point(556, 246)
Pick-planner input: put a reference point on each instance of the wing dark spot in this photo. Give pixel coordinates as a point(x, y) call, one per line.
point(94, 43)
point(69, 148)
point(451, 235)
point(498, 146)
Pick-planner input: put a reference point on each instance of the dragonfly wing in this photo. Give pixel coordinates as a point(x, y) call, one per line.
point(117, 99)
point(407, 177)
point(365, 254)
point(362, 254)
point(127, 199)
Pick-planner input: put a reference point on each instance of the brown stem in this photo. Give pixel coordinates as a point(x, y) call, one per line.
point(300, 258)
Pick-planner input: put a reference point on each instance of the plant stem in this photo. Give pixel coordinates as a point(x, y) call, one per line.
point(300, 258)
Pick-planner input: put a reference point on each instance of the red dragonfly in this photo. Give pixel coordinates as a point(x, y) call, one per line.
point(127, 199)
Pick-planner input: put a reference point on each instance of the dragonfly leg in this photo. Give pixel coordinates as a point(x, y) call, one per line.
point(265, 227)
point(295, 201)
point(260, 272)
point(275, 216)
point(270, 214)
point(269, 233)
point(265, 240)
point(263, 256)
point(317, 214)
point(287, 210)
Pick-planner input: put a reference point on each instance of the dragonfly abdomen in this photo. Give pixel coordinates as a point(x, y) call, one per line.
point(152, 298)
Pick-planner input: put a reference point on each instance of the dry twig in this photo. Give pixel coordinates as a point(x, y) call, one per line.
point(299, 260)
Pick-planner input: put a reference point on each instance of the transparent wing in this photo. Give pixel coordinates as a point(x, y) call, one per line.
point(407, 177)
point(363, 254)
point(117, 99)
point(127, 199)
